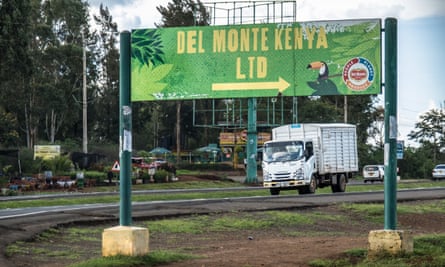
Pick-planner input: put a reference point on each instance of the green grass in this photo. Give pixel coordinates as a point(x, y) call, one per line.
point(188, 225)
point(233, 222)
point(86, 199)
point(153, 259)
point(83, 234)
point(89, 199)
point(380, 186)
point(249, 221)
point(39, 252)
point(437, 206)
point(374, 210)
point(429, 251)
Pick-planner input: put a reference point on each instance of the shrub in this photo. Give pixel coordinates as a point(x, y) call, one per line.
point(160, 176)
point(206, 166)
point(58, 165)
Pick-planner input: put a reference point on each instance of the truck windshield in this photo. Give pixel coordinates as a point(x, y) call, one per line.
point(282, 151)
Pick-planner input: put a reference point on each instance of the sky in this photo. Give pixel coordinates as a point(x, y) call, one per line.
point(421, 42)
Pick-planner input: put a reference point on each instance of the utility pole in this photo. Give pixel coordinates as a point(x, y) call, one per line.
point(84, 98)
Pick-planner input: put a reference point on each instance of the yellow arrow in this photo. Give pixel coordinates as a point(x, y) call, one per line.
point(281, 85)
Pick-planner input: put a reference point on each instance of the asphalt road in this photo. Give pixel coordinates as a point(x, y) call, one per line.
point(20, 224)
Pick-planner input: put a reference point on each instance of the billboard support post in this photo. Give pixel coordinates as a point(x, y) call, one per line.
point(125, 129)
point(389, 239)
point(390, 123)
point(252, 140)
point(125, 239)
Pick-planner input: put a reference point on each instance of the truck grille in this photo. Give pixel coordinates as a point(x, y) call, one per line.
point(281, 176)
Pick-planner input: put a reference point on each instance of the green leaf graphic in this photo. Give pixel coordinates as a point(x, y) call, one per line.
point(146, 81)
point(146, 47)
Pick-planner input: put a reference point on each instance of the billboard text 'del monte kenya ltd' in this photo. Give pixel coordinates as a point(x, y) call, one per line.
point(260, 60)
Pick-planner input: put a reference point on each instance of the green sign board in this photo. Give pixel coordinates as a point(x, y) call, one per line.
point(260, 60)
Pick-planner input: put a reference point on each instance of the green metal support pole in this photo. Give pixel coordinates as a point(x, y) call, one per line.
point(390, 124)
point(125, 142)
point(251, 142)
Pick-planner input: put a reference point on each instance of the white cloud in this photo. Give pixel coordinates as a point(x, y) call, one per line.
point(401, 9)
point(432, 104)
point(137, 14)
point(131, 14)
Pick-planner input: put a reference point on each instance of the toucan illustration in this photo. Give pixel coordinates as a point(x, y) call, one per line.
point(323, 85)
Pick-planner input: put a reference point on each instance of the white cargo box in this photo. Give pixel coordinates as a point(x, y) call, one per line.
point(335, 144)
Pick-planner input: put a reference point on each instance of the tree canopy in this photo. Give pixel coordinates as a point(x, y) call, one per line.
point(430, 131)
point(179, 13)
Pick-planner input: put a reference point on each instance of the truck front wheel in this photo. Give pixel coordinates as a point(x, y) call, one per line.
point(274, 191)
point(310, 188)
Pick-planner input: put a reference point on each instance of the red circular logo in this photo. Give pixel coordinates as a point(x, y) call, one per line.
point(358, 74)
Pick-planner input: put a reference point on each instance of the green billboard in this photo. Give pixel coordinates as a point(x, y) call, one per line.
point(260, 60)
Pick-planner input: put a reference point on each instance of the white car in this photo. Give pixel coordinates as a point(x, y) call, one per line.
point(439, 172)
point(373, 173)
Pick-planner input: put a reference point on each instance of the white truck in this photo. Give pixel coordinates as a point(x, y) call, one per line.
point(308, 156)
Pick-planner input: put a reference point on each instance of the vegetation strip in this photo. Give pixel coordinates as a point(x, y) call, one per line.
point(226, 193)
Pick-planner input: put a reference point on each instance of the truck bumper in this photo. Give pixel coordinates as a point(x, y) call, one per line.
point(277, 184)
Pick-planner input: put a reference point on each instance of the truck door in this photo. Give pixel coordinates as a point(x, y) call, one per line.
point(308, 160)
point(309, 151)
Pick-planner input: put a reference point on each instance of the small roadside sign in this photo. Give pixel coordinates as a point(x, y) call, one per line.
point(116, 167)
point(400, 147)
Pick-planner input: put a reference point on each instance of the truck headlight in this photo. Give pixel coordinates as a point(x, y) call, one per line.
point(266, 176)
point(299, 173)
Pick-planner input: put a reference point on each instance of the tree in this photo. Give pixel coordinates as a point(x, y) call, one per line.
point(416, 163)
point(41, 66)
point(182, 13)
point(60, 35)
point(9, 136)
point(312, 110)
point(362, 113)
point(15, 30)
point(430, 130)
point(15, 59)
point(63, 68)
point(106, 126)
point(375, 131)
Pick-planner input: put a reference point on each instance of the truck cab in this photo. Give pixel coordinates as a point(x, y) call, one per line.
point(288, 165)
